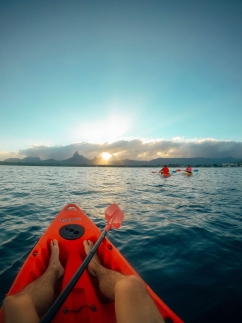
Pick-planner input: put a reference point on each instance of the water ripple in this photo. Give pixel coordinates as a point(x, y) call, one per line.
point(182, 234)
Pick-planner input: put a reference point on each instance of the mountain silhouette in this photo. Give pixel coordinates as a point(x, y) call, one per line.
point(76, 159)
point(79, 160)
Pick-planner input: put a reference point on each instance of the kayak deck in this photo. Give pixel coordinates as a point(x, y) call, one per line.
point(85, 303)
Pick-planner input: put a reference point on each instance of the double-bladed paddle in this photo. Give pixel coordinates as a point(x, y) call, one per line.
point(114, 217)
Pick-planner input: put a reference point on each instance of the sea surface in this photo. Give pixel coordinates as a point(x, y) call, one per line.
point(183, 235)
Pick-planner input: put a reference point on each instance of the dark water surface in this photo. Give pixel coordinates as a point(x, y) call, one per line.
point(182, 234)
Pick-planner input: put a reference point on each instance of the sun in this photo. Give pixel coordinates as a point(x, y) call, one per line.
point(106, 156)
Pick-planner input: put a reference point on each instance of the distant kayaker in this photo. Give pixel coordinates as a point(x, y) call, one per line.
point(188, 169)
point(132, 301)
point(164, 170)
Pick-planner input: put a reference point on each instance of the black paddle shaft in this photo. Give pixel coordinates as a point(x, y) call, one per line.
point(64, 294)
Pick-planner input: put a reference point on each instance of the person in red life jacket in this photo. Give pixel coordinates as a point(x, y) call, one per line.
point(164, 170)
point(189, 169)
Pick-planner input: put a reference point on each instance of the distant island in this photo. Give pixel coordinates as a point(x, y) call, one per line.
point(80, 161)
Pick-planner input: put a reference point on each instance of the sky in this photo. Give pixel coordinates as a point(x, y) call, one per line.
point(138, 79)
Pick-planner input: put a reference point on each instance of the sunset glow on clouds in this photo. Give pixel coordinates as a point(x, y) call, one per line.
point(136, 149)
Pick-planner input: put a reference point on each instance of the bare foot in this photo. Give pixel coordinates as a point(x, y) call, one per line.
point(54, 261)
point(95, 262)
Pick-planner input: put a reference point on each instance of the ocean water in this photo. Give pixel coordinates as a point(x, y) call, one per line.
point(183, 235)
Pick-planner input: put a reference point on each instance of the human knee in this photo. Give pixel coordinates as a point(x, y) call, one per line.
point(14, 301)
point(10, 302)
point(131, 284)
point(19, 308)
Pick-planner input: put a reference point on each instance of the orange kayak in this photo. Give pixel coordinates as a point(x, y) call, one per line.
point(165, 175)
point(84, 304)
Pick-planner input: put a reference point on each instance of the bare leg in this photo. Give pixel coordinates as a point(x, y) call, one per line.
point(35, 299)
point(133, 304)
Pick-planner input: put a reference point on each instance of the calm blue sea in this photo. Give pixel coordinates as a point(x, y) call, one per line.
point(182, 234)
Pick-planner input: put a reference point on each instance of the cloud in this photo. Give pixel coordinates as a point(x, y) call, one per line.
point(137, 149)
point(7, 154)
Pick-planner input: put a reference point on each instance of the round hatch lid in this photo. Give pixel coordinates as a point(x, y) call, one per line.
point(71, 231)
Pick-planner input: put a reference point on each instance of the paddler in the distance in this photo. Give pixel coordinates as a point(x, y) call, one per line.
point(165, 170)
point(188, 169)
